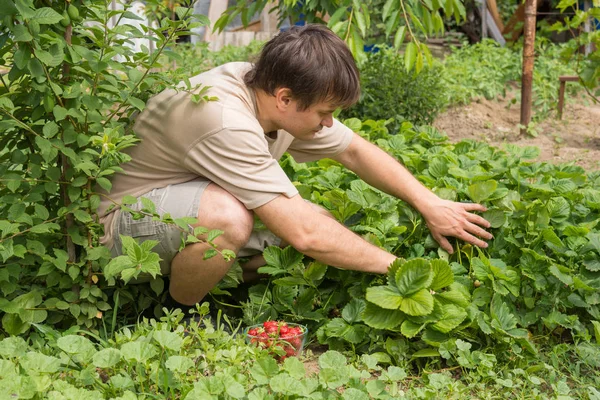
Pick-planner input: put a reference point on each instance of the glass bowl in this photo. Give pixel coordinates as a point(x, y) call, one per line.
point(282, 339)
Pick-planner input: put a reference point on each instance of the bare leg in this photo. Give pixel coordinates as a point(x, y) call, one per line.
point(191, 276)
point(251, 266)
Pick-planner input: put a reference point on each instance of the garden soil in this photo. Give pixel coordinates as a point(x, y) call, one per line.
point(574, 139)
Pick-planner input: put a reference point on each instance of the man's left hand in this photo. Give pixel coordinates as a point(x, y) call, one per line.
point(449, 218)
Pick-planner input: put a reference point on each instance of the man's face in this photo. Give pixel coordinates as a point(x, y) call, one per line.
point(305, 125)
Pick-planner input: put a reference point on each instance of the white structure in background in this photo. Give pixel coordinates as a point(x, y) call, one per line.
point(138, 8)
point(262, 26)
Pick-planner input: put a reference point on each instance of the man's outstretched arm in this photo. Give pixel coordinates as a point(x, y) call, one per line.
point(444, 218)
point(321, 237)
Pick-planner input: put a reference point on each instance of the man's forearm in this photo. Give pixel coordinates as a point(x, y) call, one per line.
point(321, 237)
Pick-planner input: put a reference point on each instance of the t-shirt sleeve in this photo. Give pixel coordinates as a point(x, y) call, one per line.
point(329, 142)
point(239, 161)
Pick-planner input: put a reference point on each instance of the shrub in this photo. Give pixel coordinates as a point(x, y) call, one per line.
point(388, 90)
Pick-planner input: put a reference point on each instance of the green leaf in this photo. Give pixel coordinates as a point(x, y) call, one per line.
point(413, 276)
point(502, 317)
point(360, 21)
point(117, 265)
point(59, 112)
point(426, 353)
point(387, 7)
point(563, 274)
point(410, 329)
point(496, 218)
point(179, 364)
point(399, 37)
point(78, 346)
point(138, 351)
point(337, 16)
point(50, 129)
point(137, 103)
point(294, 367)
point(452, 316)
point(442, 275)
point(332, 359)
point(168, 340)
point(381, 318)
point(284, 259)
point(481, 191)
point(596, 331)
point(157, 285)
point(315, 271)
point(40, 363)
point(559, 209)
point(46, 16)
point(384, 297)
point(353, 310)
point(13, 325)
point(419, 303)
point(106, 358)
point(264, 369)
point(21, 34)
point(13, 347)
point(337, 327)
point(410, 56)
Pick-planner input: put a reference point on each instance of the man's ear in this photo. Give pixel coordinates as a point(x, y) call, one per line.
point(283, 98)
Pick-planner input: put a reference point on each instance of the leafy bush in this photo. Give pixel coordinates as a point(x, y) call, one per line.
point(389, 91)
point(65, 108)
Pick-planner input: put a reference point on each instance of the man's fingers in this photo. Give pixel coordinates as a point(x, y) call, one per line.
point(473, 207)
point(482, 233)
point(473, 240)
point(479, 220)
point(444, 243)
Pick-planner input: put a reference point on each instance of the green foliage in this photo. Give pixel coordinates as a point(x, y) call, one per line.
point(65, 108)
point(165, 359)
point(538, 278)
point(588, 67)
point(389, 91)
point(487, 70)
point(194, 59)
point(351, 20)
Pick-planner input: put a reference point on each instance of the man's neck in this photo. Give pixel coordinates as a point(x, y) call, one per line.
point(265, 112)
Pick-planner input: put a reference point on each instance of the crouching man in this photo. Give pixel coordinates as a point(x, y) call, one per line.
point(218, 162)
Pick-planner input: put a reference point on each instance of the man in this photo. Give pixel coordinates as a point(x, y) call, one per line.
point(217, 161)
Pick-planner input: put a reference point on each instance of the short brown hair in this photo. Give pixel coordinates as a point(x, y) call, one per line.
point(311, 61)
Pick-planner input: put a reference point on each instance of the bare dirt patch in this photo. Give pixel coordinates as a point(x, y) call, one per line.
point(574, 139)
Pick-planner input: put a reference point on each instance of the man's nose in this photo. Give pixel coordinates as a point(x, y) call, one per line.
point(328, 122)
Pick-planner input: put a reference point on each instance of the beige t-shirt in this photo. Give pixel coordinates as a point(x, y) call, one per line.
point(219, 140)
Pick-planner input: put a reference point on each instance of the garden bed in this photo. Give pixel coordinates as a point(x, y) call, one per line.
point(575, 138)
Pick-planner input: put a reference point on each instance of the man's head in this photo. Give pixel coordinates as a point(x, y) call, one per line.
point(312, 62)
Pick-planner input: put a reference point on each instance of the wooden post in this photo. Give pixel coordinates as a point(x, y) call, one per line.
point(484, 28)
point(528, 60)
point(587, 26)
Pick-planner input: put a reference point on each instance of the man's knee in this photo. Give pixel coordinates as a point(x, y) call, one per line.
point(220, 210)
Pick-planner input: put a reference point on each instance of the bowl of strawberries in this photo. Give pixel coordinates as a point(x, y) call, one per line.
point(282, 339)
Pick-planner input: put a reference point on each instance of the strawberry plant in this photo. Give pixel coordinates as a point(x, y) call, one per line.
point(538, 278)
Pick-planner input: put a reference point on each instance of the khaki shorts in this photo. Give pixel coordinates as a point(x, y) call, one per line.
point(181, 200)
